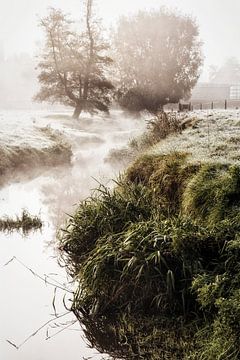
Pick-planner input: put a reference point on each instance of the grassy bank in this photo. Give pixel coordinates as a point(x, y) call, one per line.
point(158, 128)
point(26, 157)
point(156, 261)
point(215, 137)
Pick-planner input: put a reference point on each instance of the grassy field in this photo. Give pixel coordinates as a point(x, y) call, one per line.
point(214, 137)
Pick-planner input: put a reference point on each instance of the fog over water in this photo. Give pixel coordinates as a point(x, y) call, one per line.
point(26, 303)
point(218, 21)
point(21, 38)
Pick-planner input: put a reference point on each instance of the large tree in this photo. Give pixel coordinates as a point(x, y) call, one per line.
point(73, 65)
point(159, 57)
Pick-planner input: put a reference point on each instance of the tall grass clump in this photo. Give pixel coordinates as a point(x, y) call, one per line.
point(158, 128)
point(213, 193)
point(156, 261)
point(24, 223)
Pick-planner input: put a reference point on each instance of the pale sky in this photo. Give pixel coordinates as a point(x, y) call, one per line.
point(218, 21)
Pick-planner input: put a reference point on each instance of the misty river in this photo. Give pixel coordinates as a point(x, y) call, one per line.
point(26, 302)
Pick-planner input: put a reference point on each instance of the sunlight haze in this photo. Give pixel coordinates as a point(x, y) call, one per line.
point(119, 179)
point(218, 22)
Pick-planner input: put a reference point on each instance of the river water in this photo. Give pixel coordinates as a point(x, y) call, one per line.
point(26, 301)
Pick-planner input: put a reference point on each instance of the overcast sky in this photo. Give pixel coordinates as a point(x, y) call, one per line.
point(218, 21)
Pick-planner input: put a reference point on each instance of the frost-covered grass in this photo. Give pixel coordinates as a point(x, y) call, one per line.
point(49, 149)
point(156, 129)
point(214, 138)
point(28, 142)
point(39, 138)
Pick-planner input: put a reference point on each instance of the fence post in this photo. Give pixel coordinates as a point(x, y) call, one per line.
point(189, 107)
point(201, 106)
point(212, 105)
point(225, 105)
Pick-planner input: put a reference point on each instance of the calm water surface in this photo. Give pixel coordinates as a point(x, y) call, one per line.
point(26, 302)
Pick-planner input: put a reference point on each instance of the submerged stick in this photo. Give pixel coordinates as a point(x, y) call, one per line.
point(44, 279)
point(37, 331)
point(56, 285)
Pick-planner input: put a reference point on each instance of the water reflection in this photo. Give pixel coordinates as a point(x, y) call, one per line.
point(26, 302)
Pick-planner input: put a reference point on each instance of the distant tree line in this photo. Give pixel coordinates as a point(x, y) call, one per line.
point(17, 80)
point(228, 73)
point(153, 58)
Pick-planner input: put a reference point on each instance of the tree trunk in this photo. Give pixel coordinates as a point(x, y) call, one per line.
point(77, 112)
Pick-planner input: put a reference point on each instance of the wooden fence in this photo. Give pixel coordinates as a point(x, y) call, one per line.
point(205, 105)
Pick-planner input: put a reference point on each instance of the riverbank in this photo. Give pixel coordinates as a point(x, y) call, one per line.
point(156, 258)
point(48, 149)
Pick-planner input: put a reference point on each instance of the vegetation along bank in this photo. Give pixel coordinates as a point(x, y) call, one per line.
point(156, 260)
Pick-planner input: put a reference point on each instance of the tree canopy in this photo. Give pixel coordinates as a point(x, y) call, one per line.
point(159, 56)
point(73, 64)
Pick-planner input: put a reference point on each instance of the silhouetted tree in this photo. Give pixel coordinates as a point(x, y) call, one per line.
point(73, 65)
point(159, 56)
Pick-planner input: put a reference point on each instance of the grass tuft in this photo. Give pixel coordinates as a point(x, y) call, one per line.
point(24, 223)
point(158, 128)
